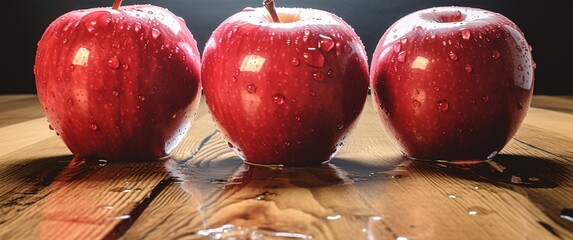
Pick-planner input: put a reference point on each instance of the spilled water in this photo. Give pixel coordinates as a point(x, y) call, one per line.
point(242, 201)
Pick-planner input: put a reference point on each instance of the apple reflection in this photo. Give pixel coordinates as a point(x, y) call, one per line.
point(305, 203)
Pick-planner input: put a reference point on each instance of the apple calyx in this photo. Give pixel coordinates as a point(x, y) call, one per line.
point(270, 6)
point(116, 4)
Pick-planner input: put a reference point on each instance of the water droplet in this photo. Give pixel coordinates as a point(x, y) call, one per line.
point(520, 67)
point(115, 93)
point(155, 33)
point(313, 57)
point(120, 217)
point(495, 54)
point(141, 97)
point(278, 99)
point(70, 102)
point(102, 162)
point(567, 214)
point(376, 218)
point(485, 98)
point(334, 217)
point(113, 62)
point(453, 56)
point(294, 61)
point(402, 56)
point(397, 47)
point(173, 116)
point(72, 68)
point(93, 126)
point(331, 73)
point(519, 106)
point(340, 125)
point(443, 105)
point(416, 103)
point(297, 118)
point(468, 68)
point(107, 207)
point(452, 196)
point(125, 67)
point(251, 88)
point(466, 34)
point(137, 26)
point(472, 212)
point(96, 20)
point(121, 190)
point(436, 89)
point(318, 76)
point(325, 43)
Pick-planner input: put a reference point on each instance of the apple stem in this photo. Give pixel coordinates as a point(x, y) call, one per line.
point(270, 6)
point(116, 4)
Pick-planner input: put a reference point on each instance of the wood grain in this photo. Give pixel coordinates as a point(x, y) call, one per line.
point(368, 191)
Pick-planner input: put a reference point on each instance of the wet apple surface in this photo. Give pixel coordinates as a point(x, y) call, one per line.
point(119, 84)
point(285, 92)
point(452, 83)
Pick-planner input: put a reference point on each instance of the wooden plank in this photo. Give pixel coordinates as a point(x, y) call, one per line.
point(555, 103)
point(18, 108)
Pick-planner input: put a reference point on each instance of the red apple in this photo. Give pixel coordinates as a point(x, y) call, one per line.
point(119, 83)
point(452, 83)
point(285, 92)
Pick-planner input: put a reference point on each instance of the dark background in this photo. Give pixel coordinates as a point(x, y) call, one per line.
point(547, 26)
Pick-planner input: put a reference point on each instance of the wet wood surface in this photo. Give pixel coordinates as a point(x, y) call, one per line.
point(368, 191)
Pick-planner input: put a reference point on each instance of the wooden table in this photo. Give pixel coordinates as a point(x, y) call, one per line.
point(368, 190)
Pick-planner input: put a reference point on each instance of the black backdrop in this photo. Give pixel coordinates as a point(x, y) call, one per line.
point(547, 26)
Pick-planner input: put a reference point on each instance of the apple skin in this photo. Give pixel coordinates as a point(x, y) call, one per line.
point(452, 83)
point(119, 84)
point(285, 93)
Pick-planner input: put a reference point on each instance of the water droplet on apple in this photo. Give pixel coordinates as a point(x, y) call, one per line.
point(520, 67)
point(330, 73)
point(155, 33)
point(306, 34)
point(519, 106)
point(93, 126)
point(485, 98)
point(416, 103)
point(402, 56)
point(96, 20)
point(65, 41)
point(251, 88)
point(279, 99)
point(137, 26)
point(313, 57)
point(141, 97)
point(495, 54)
point(70, 102)
point(113, 62)
point(340, 125)
point(397, 47)
point(436, 88)
point(115, 93)
point(72, 68)
point(173, 116)
point(453, 56)
point(294, 61)
point(325, 43)
point(287, 143)
point(466, 34)
point(318, 76)
point(443, 105)
point(297, 118)
point(468, 68)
